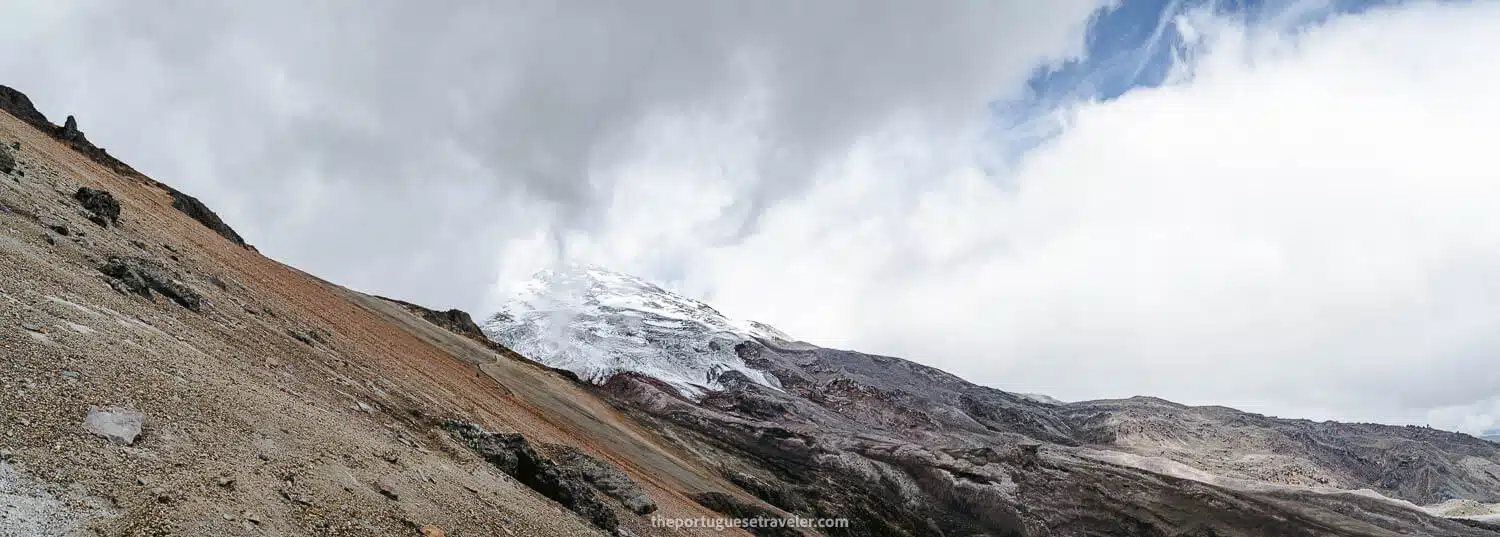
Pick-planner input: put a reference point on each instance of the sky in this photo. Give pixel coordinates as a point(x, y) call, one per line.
point(1284, 206)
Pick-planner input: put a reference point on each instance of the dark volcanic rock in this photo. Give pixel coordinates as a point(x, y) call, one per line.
point(7, 161)
point(732, 507)
point(454, 320)
point(459, 322)
point(605, 477)
point(142, 276)
point(17, 104)
point(104, 207)
point(198, 211)
point(71, 133)
point(513, 454)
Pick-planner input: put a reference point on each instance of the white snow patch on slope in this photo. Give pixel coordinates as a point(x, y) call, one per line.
point(598, 323)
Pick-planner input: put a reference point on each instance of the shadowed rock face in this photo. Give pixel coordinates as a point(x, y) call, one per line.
point(603, 476)
point(19, 105)
point(142, 277)
point(732, 507)
point(71, 133)
point(102, 206)
point(900, 449)
point(196, 210)
point(454, 320)
point(7, 161)
point(513, 454)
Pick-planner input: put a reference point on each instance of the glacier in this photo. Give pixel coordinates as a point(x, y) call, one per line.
point(599, 323)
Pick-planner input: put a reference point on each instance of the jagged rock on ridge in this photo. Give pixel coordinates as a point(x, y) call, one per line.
point(196, 210)
point(119, 425)
point(454, 320)
point(71, 133)
point(19, 105)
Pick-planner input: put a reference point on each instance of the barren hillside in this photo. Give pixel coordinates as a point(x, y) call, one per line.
point(158, 376)
point(280, 404)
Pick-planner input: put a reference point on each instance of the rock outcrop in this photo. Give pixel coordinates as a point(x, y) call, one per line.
point(735, 508)
point(603, 476)
point(70, 132)
point(196, 210)
point(102, 206)
point(454, 320)
point(7, 161)
point(142, 276)
point(513, 454)
point(19, 105)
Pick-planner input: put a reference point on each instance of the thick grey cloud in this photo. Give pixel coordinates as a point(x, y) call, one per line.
point(397, 146)
point(1301, 223)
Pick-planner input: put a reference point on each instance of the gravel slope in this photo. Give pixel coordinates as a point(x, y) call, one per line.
point(283, 407)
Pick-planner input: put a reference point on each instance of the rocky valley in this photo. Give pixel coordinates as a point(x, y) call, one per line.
point(159, 376)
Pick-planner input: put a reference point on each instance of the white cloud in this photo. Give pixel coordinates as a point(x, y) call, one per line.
point(1307, 225)
point(397, 147)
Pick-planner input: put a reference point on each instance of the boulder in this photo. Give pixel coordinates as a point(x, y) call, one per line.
point(141, 276)
point(604, 477)
point(118, 425)
point(104, 209)
point(7, 161)
point(513, 454)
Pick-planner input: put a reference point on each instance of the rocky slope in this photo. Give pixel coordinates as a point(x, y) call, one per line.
point(903, 449)
point(249, 398)
point(1417, 464)
point(160, 378)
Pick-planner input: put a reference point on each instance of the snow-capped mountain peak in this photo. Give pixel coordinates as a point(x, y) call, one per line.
point(598, 323)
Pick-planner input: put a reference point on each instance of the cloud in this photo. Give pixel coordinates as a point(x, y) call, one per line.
point(1299, 221)
point(400, 149)
point(1302, 223)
